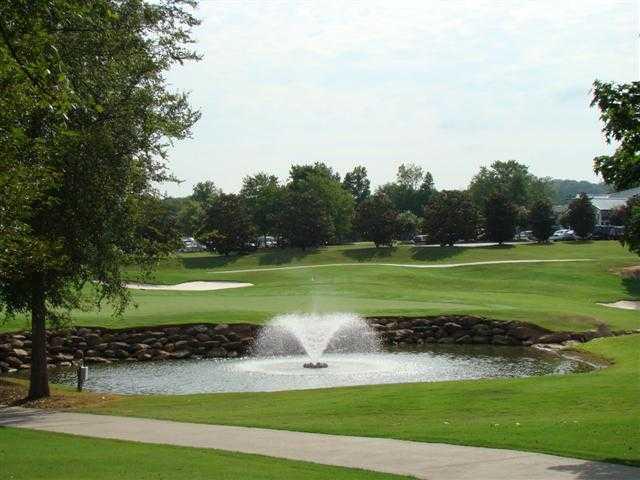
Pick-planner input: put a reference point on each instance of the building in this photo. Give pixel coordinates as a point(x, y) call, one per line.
point(605, 204)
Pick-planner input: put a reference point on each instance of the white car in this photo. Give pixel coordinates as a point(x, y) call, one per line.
point(563, 234)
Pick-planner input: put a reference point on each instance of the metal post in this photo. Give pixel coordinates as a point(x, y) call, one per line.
point(83, 374)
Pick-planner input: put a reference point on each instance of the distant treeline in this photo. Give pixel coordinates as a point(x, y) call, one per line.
point(563, 191)
point(316, 205)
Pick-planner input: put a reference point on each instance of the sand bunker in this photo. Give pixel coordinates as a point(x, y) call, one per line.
point(624, 304)
point(190, 286)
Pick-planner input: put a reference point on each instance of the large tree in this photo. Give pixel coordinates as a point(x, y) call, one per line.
point(620, 112)
point(262, 194)
point(500, 217)
point(322, 182)
point(304, 220)
point(85, 118)
point(541, 220)
point(631, 236)
point(511, 179)
point(450, 216)
point(619, 106)
point(377, 220)
point(581, 216)
point(227, 225)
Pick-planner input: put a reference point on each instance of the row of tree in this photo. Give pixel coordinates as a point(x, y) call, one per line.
point(315, 206)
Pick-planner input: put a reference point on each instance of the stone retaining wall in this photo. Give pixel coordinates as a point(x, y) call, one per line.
point(103, 345)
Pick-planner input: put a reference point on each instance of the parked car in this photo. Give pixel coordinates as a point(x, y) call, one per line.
point(607, 232)
point(524, 236)
point(190, 244)
point(563, 235)
point(420, 239)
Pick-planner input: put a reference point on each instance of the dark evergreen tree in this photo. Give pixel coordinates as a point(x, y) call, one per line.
point(500, 217)
point(377, 221)
point(541, 220)
point(581, 216)
point(228, 226)
point(450, 216)
point(304, 220)
point(631, 236)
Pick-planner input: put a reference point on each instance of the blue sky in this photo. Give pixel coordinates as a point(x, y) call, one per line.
point(448, 85)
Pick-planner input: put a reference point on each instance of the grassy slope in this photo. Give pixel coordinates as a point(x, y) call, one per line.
point(66, 457)
point(593, 416)
point(557, 296)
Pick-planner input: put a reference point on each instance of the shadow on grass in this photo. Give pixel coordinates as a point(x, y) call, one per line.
point(275, 256)
point(632, 286)
point(209, 261)
point(431, 253)
point(601, 471)
point(369, 254)
point(282, 256)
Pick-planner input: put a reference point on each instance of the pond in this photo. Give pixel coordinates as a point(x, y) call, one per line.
point(258, 374)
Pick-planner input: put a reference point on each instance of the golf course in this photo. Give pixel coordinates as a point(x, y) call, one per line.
point(560, 289)
point(558, 286)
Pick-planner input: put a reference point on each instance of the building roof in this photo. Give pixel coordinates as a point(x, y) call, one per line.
point(626, 194)
point(610, 201)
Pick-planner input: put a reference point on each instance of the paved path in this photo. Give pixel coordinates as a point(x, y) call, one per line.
point(403, 265)
point(430, 461)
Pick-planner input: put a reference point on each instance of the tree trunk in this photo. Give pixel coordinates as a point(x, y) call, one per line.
point(39, 381)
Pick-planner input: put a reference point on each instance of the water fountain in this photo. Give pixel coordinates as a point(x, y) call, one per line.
point(315, 334)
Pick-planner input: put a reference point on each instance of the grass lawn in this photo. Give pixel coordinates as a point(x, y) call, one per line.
point(554, 295)
point(593, 416)
point(67, 457)
point(590, 415)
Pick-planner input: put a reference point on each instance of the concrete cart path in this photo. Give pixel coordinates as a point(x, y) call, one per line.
point(404, 265)
point(431, 461)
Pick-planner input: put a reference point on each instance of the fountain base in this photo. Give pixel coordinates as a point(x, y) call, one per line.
point(315, 365)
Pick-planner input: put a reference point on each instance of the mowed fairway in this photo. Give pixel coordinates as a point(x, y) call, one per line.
point(561, 295)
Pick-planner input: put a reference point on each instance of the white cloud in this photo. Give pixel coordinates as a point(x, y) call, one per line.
point(450, 85)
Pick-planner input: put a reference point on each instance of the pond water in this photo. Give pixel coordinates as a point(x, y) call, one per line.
point(258, 374)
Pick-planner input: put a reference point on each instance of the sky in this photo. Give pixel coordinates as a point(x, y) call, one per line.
point(450, 86)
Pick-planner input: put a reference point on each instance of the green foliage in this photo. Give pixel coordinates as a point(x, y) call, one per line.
point(620, 112)
point(205, 192)
point(631, 236)
point(409, 225)
point(337, 203)
point(227, 226)
point(411, 190)
point(262, 194)
point(304, 219)
point(541, 220)
point(86, 109)
point(357, 182)
point(581, 216)
point(376, 220)
point(450, 216)
point(500, 217)
point(511, 179)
